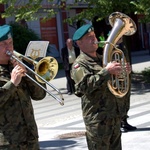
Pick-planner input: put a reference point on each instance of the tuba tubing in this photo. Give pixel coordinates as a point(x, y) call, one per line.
point(122, 25)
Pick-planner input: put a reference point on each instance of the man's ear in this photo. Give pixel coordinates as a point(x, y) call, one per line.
point(78, 42)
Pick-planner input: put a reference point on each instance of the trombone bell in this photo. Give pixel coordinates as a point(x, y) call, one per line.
point(47, 68)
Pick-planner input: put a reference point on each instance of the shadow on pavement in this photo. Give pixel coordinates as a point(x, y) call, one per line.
point(57, 144)
point(140, 88)
point(138, 84)
point(140, 129)
point(143, 129)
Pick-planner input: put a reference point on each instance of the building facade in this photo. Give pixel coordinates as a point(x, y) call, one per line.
point(56, 31)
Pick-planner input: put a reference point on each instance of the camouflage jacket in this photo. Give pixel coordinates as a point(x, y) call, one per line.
point(98, 103)
point(17, 123)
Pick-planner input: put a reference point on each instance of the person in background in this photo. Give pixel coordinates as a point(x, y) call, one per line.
point(18, 129)
point(100, 108)
point(101, 43)
point(125, 126)
point(102, 40)
point(68, 54)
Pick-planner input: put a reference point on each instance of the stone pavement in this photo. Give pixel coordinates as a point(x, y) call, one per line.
point(62, 127)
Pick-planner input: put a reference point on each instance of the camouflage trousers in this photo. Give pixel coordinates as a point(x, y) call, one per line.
point(104, 135)
point(29, 145)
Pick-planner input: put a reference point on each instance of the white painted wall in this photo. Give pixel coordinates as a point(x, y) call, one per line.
point(71, 28)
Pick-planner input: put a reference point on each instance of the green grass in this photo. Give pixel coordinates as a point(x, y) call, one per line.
point(146, 74)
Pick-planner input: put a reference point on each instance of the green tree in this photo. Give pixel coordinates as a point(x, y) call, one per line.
point(31, 9)
point(22, 36)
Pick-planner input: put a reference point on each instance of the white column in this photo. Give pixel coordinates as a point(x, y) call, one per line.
point(60, 31)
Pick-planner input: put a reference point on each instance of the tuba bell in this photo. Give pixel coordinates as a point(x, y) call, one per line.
point(122, 25)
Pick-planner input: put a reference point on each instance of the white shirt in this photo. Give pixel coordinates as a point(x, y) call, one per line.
point(72, 56)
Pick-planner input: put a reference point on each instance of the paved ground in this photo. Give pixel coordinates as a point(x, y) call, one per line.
point(55, 121)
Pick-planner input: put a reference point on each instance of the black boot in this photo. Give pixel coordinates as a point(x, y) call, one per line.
point(125, 127)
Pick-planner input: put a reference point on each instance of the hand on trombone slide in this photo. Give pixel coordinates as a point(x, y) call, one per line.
point(18, 72)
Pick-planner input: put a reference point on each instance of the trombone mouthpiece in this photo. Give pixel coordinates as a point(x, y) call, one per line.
point(8, 53)
point(96, 42)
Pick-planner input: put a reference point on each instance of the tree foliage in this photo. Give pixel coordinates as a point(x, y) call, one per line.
point(31, 9)
point(22, 36)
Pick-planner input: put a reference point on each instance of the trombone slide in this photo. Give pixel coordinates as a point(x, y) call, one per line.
point(61, 101)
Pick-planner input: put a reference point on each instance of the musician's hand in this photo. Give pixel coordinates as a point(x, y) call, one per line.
point(17, 73)
point(114, 68)
point(128, 67)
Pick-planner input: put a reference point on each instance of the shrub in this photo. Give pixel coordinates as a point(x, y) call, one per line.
point(146, 74)
point(22, 36)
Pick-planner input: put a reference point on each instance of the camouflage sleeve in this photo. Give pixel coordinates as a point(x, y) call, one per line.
point(86, 81)
point(6, 91)
point(36, 92)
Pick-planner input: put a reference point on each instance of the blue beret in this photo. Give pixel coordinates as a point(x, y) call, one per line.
point(5, 32)
point(82, 31)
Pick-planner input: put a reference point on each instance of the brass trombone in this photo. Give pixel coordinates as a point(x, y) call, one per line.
point(45, 70)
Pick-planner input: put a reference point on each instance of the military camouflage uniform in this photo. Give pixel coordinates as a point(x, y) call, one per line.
point(101, 109)
point(18, 130)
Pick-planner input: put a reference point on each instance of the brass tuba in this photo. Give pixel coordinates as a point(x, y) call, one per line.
point(122, 25)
